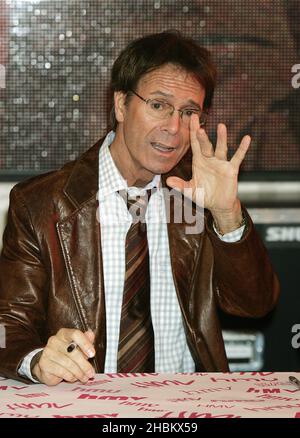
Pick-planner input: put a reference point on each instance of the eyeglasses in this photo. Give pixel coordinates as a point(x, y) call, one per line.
point(160, 110)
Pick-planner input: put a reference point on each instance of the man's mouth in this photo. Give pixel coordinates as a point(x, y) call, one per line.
point(162, 148)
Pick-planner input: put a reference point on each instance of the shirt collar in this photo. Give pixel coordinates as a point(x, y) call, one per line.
point(110, 179)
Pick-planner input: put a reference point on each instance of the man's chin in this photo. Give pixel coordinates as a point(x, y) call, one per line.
point(167, 166)
point(163, 170)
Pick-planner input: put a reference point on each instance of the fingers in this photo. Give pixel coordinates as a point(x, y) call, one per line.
point(76, 361)
point(202, 147)
point(199, 140)
point(54, 374)
point(221, 146)
point(57, 364)
point(241, 151)
point(90, 335)
point(82, 340)
point(177, 183)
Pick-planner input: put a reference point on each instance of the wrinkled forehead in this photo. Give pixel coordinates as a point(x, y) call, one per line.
point(170, 77)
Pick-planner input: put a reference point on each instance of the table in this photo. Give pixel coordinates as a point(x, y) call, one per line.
point(179, 395)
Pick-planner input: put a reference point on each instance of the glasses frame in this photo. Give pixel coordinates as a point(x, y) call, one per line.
point(202, 112)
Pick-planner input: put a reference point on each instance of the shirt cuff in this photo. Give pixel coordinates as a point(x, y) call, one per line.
point(233, 236)
point(25, 370)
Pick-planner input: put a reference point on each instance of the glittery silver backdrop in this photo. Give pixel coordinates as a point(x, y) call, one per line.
point(57, 56)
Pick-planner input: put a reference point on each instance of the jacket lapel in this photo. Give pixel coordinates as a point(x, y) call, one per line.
point(184, 243)
point(184, 251)
point(190, 255)
point(80, 239)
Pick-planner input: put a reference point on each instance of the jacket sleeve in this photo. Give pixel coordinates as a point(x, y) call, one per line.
point(23, 286)
point(244, 280)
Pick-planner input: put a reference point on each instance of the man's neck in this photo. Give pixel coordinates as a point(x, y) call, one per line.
point(134, 176)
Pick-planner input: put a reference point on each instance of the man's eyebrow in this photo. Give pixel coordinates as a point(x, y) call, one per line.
point(189, 101)
point(162, 93)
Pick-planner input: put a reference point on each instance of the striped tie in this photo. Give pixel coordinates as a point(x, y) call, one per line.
point(136, 341)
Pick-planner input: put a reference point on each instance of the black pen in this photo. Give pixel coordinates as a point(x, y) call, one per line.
point(71, 347)
point(294, 380)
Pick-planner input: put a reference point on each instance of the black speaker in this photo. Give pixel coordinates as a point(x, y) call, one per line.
point(271, 343)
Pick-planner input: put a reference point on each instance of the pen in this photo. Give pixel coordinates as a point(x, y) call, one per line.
point(294, 380)
point(71, 347)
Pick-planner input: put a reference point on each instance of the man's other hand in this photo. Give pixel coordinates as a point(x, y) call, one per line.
point(57, 364)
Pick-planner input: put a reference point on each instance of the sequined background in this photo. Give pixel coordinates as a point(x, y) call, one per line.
point(58, 55)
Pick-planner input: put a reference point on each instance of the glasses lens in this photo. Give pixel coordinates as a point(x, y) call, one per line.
point(186, 117)
point(159, 109)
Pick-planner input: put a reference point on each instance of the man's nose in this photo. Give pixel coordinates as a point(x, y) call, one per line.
point(172, 123)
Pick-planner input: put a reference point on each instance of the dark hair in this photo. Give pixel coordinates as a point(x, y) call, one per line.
point(153, 51)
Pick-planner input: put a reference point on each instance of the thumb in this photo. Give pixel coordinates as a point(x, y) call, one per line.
point(90, 335)
point(177, 183)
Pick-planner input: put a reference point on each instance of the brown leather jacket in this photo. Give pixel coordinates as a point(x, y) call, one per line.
point(51, 270)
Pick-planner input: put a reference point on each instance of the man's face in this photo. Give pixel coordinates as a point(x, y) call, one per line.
point(147, 146)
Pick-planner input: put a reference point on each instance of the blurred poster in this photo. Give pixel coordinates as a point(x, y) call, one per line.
point(59, 54)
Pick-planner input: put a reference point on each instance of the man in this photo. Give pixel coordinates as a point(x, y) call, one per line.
point(69, 285)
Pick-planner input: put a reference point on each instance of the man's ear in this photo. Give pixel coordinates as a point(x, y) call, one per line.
point(120, 107)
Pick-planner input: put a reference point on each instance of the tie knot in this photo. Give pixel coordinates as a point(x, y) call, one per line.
point(137, 205)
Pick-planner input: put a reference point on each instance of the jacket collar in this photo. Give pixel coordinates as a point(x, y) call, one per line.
point(82, 183)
